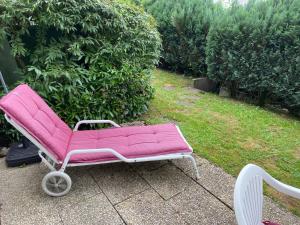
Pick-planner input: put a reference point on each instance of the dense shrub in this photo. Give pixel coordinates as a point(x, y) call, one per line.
point(87, 58)
point(257, 49)
point(183, 25)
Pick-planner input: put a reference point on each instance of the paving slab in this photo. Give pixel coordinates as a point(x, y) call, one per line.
point(95, 210)
point(197, 206)
point(33, 215)
point(23, 201)
point(278, 214)
point(83, 187)
point(3, 166)
point(186, 165)
point(17, 179)
point(217, 181)
point(212, 178)
point(148, 193)
point(221, 184)
point(118, 181)
point(148, 208)
point(168, 180)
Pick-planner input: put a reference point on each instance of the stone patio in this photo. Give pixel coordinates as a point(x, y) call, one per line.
point(150, 193)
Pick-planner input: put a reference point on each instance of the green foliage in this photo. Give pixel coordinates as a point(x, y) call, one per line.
point(257, 49)
point(183, 25)
point(87, 58)
point(123, 93)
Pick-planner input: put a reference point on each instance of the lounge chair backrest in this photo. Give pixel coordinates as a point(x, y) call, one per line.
point(248, 194)
point(30, 111)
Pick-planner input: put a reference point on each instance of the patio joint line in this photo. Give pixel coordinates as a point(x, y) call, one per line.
point(192, 177)
point(85, 199)
point(61, 220)
point(146, 189)
point(173, 196)
point(0, 212)
point(150, 186)
point(165, 200)
point(169, 163)
point(107, 198)
point(153, 169)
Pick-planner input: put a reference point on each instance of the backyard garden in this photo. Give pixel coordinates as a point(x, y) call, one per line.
point(229, 133)
point(252, 51)
point(128, 61)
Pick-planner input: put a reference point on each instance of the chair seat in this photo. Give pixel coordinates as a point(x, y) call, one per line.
point(131, 142)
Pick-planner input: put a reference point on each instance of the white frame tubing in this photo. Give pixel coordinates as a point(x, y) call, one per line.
point(276, 184)
point(124, 159)
point(32, 139)
point(47, 163)
point(181, 135)
point(95, 122)
point(120, 158)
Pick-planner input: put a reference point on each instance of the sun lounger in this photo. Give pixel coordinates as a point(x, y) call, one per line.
point(61, 147)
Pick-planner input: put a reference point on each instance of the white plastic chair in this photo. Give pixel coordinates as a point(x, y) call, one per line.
point(248, 194)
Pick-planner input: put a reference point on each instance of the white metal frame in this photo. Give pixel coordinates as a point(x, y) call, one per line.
point(95, 122)
point(51, 161)
point(248, 194)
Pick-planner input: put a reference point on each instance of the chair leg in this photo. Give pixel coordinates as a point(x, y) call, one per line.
point(195, 165)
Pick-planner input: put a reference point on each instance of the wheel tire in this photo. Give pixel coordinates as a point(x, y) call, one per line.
point(56, 183)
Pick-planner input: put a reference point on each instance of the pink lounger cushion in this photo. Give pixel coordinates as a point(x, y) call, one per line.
point(31, 112)
point(131, 142)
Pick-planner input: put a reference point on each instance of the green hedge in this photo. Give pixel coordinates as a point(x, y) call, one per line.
point(87, 58)
point(257, 49)
point(183, 25)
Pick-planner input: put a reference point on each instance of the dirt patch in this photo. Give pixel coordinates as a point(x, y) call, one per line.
point(185, 103)
point(169, 87)
point(192, 98)
point(194, 90)
point(229, 120)
point(297, 153)
point(251, 144)
point(187, 100)
point(268, 163)
point(274, 129)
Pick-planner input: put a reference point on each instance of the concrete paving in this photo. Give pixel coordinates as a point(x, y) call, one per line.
point(163, 192)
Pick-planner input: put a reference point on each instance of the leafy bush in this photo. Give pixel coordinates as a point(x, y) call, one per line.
point(88, 59)
point(257, 49)
point(183, 25)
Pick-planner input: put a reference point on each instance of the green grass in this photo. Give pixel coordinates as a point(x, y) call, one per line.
point(230, 133)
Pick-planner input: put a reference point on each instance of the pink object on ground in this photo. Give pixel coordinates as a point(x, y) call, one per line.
point(31, 112)
point(270, 223)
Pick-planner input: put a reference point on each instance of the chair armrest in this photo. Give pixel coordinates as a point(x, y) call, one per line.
point(95, 122)
point(276, 184)
point(281, 187)
point(91, 151)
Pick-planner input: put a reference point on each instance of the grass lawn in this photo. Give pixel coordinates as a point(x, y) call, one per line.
point(230, 133)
